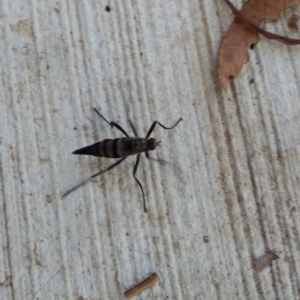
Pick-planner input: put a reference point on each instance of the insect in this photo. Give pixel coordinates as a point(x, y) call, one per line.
point(121, 148)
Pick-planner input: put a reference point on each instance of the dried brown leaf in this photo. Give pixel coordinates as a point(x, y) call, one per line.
point(244, 32)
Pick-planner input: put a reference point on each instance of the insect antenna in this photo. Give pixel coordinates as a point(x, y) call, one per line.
point(94, 175)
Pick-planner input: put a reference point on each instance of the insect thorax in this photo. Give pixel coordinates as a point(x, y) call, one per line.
point(139, 145)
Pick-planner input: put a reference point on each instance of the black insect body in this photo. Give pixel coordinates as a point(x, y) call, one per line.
point(117, 148)
point(121, 148)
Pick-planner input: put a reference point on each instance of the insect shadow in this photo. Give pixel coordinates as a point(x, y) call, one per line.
point(121, 148)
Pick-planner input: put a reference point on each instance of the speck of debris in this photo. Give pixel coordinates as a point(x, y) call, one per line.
point(107, 8)
point(264, 260)
point(6, 282)
point(252, 46)
point(205, 239)
point(251, 80)
point(43, 160)
point(48, 199)
point(75, 128)
point(292, 23)
point(48, 67)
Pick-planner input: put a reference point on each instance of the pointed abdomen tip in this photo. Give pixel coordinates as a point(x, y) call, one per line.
point(89, 150)
point(79, 151)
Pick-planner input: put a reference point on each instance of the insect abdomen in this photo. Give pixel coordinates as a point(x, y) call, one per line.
point(115, 148)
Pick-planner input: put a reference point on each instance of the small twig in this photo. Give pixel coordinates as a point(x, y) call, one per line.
point(144, 285)
point(267, 34)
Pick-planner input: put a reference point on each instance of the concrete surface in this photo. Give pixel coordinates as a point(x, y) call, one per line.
point(222, 190)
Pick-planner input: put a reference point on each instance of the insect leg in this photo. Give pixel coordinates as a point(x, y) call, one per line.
point(87, 180)
point(133, 129)
point(156, 122)
point(134, 171)
point(112, 124)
